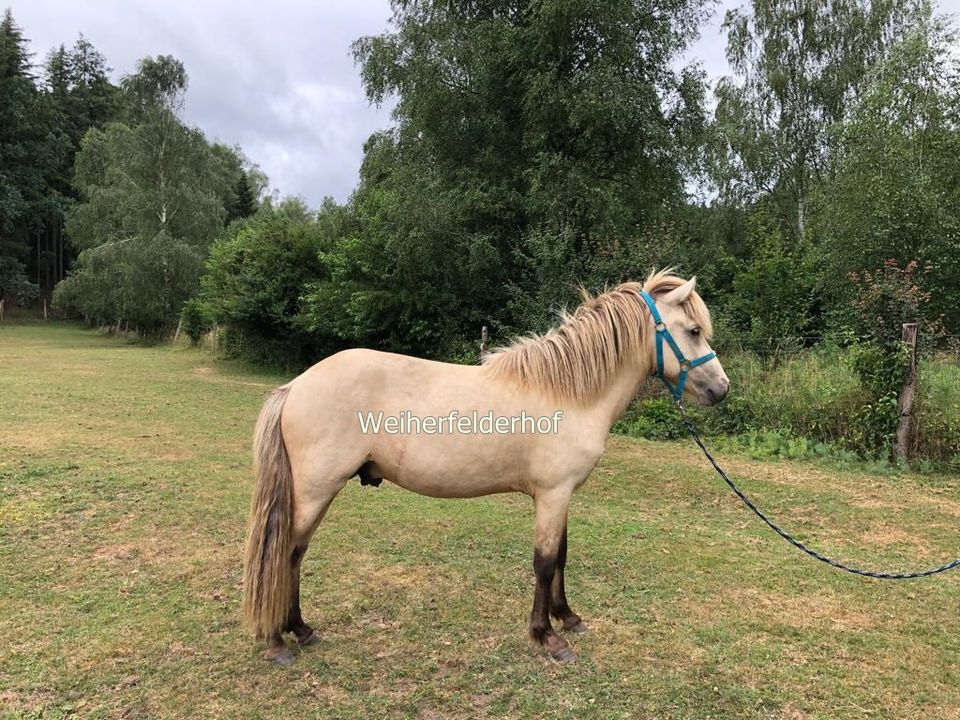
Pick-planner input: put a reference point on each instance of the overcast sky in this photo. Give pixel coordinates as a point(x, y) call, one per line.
point(276, 78)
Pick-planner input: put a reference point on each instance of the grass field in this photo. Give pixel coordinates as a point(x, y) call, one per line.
point(124, 483)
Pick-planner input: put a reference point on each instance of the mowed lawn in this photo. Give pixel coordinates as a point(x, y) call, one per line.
point(124, 485)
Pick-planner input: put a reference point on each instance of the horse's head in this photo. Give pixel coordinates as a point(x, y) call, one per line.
point(680, 347)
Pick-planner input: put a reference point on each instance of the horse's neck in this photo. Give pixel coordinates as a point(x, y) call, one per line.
point(621, 389)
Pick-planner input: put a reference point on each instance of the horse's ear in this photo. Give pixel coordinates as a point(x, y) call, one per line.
point(680, 294)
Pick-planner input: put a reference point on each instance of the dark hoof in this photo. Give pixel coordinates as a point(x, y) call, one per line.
point(310, 638)
point(564, 655)
point(281, 656)
point(577, 628)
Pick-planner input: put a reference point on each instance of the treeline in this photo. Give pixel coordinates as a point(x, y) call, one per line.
point(540, 146)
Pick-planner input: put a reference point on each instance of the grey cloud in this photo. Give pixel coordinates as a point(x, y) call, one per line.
point(275, 78)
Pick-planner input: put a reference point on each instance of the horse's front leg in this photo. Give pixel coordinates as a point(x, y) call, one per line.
point(551, 519)
point(559, 608)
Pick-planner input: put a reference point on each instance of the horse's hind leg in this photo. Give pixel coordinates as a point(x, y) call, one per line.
point(559, 608)
point(304, 633)
point(310, 511)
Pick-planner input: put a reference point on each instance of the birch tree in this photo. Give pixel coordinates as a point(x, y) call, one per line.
point(797, 65)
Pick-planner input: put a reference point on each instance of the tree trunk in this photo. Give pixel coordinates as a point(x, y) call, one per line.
point(902, 442)
point(483, 342)
point(801, 215)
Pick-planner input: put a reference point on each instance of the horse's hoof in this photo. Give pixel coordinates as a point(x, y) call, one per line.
point(281, 656)
point(564, 655)
point(579, 628)
point(311, 639)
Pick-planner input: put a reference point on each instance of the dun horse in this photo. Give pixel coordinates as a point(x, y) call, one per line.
point(318, 431)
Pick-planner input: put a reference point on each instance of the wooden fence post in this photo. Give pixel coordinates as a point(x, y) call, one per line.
point(901, 445)
point(483, 341)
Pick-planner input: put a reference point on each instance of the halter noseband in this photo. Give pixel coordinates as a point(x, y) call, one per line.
point(664, 334)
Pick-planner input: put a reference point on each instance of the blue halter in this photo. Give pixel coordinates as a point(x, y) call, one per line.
point(685, 365)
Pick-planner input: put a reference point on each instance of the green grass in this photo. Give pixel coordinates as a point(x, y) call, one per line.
point(124, 483)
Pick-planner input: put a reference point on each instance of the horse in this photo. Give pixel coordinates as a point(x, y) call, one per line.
point(332, 423)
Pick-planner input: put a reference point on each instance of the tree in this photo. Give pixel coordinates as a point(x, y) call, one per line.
point(159, 85)
point(30, 150)
point(257, 273)
point(152, 194)
point(150, 175)
point(532, 141)
point(142, 281)
point(81, 96)
point(797, 65)
point(244, 182)
point(895, 195)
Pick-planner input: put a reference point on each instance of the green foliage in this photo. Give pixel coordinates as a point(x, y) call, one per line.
point(159, 84)
point(797, 66)
point(770, 302)
point(531, 143)
point(31, 150)
point(14, 281)
point(143, 281)
point(885, 300)
point(142, 179)
point(256, 274)
point(938, 413)
point(152, 198)
point(812, 405)
point(653, 419)
point(894, 194)
point(196, 319)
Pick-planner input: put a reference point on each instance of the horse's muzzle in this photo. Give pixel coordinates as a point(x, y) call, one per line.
point(718, 392)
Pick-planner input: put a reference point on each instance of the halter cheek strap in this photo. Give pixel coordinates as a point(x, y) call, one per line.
point(664, 334)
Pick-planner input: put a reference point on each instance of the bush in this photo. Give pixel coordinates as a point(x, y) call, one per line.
point(814, 394)
point(142, 281)
point(814, 404)
point(885, 300)
point(937, 413)
point(653, 419)
point(256, 275)
point(196, 320)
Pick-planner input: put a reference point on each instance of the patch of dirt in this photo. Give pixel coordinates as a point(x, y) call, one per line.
point(885, 535)
point(30, 703)
point(797, 611)
point(791, 712)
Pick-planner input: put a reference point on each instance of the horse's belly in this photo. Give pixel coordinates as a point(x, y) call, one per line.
point(452, 487)
point(452, 469)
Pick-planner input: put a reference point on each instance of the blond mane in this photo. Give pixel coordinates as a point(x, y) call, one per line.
point(576, 360)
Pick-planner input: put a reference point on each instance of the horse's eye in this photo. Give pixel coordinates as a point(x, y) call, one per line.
point(695, 332)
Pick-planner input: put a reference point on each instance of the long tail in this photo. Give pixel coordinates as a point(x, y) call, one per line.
point(267, 566)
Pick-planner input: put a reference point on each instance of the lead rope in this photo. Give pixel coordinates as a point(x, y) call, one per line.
point(787, 536)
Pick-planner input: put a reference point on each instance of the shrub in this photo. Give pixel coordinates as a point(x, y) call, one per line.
point(196, 319)
point(886, 299)
point(937, 413)
point(256, 274)
point(653, 419)
point(143, 281)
